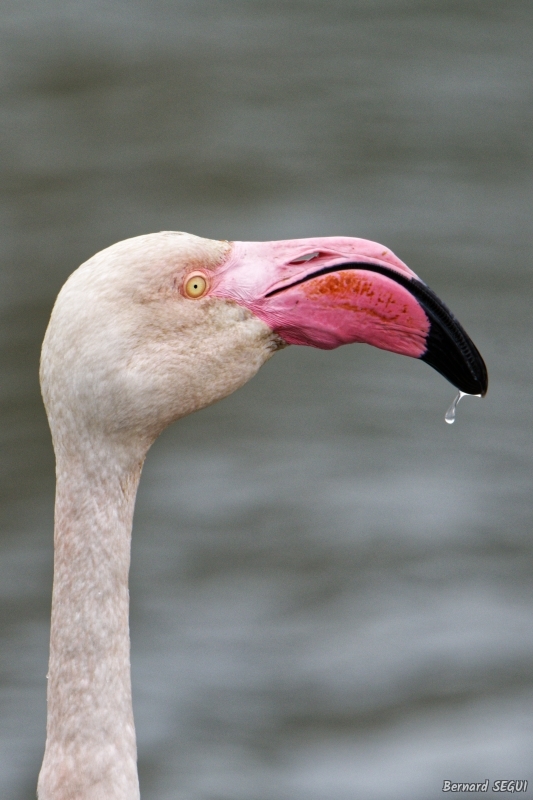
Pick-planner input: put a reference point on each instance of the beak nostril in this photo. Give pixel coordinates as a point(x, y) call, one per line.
point(306, 257)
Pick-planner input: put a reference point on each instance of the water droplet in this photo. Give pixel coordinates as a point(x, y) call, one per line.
point(450, 414)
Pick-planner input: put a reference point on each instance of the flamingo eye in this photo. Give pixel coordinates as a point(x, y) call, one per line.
point(195, 286)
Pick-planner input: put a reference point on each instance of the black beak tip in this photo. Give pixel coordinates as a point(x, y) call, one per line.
point(449, 349)
point(455, 356)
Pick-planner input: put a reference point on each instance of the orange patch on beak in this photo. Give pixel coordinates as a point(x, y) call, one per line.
point(353, 290)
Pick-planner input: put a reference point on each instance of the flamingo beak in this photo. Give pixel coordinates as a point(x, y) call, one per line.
point(331, 291)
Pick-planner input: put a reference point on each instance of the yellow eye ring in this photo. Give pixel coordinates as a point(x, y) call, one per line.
point(195, 285)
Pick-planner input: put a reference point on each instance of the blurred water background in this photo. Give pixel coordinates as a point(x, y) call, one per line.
point(331, 589)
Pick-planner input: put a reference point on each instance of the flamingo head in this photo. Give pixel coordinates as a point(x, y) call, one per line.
point(161, 325)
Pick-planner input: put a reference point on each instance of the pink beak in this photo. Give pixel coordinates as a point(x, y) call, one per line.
point(326, 292)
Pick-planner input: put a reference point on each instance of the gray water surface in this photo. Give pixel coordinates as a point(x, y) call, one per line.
point(331, 588)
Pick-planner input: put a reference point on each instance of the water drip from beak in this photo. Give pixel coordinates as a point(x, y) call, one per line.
point(449, 416)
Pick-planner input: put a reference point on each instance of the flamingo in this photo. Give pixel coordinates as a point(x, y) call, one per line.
point(148, 331)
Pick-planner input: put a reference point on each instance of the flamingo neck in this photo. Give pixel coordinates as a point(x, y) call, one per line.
point(90, 748)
